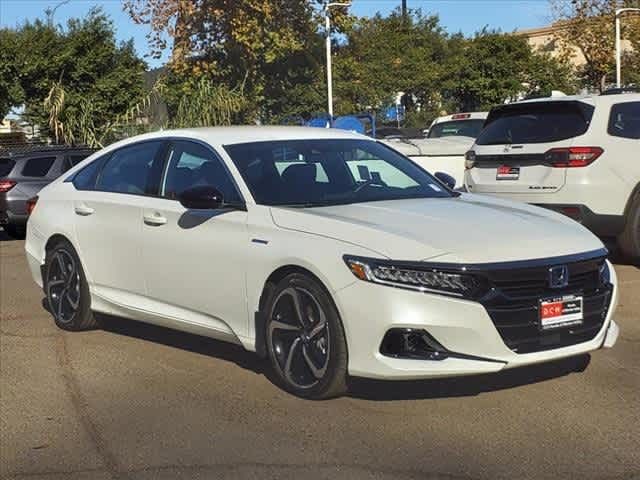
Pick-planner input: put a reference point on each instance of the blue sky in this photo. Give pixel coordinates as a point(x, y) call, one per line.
point(467, 16)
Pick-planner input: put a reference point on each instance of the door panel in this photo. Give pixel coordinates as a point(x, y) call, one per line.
point(108, 219)
point(196, 259)
point(108, 228)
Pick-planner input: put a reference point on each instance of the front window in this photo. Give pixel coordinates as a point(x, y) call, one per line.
point(458, 128)
point(330, 172)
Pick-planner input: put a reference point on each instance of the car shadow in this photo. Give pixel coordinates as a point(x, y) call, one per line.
point(184, 341)
point(467, 386)
point(360, 388)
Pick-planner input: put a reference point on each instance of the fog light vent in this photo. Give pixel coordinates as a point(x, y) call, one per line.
point(411, 343)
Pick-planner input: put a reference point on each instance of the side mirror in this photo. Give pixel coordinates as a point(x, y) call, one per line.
point(204, 197)
point(447, 179)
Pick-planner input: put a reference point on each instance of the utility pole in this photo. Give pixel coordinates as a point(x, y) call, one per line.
point(49, 12)
point(404, 8)
point(327, 29)
point(618, 44)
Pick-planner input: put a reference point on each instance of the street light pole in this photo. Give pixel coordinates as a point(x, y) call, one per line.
point(618, 44)
point(50, 12)
point(327, 27)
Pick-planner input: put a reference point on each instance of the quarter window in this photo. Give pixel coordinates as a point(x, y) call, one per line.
point(624, 120)
point(38, 167)
point(190, 165)
point(129, 168)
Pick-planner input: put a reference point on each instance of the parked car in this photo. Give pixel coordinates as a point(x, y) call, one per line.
point(576, 155)
point(457, 125)
point(23, 175)
point(445, 154)
point(323, 250)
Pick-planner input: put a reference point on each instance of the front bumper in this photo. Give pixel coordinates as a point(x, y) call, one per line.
point(461, 326)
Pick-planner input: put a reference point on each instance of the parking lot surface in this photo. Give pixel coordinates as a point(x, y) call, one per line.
point(133, 401)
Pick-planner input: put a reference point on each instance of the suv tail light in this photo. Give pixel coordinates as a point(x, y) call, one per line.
point(31, 205)
point(6, 185)
point(572, 157)
point(469, 160)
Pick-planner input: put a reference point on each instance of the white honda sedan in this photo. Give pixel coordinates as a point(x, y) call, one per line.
point(323, 250)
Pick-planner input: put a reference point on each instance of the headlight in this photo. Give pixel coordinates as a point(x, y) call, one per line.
point(420, 276)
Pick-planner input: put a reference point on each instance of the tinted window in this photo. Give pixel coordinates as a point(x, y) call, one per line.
point(6, 165)
point(128, 169)
point(535, 123)
point(624, 120)
point(192, 164)
point(85, 179)
point(325, 172)
point(464, 128)
point(38, 167)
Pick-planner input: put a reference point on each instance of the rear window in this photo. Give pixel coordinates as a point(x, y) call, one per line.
point(37, 167)
point(536, 123)
point(6, 165)
point(463, 128)
point(624, 120)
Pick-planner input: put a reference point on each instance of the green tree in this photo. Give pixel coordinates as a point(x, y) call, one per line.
point(386, 55)
point(11, 92)
point(494, 67)
point(97, 75)
point(258, 45)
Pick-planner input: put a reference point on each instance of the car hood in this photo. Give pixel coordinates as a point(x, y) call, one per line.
point(465, 229)
point(454, 145)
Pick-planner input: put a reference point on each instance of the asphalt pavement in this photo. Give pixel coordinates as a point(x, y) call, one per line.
point(134, 401)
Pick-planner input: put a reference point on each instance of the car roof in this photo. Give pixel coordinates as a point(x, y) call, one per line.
point(590, 99)
point(249, 133)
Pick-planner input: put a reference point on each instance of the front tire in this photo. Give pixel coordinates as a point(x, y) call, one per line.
point(305, 339)
point(629, 239)
point(66, 288)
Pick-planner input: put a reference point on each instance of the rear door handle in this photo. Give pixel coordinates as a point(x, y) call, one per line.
point(83, 210)
point(154, 219)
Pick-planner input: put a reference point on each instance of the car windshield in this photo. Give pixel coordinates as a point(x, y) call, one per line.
point(310, 173)
point(536, 123)
point(461, 128)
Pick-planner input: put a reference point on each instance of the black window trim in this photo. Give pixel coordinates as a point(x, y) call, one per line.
point(609, 123)
point(242, 205)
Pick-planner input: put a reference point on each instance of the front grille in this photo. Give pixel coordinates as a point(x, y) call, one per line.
point(513, 304)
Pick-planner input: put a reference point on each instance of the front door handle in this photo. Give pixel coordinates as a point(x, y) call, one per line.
point(83, 210)
point(154, 219)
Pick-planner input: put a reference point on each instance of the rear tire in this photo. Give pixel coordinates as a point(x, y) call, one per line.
point(66, 288)
point(305, 344)
point(16, 231)
point(629, 239)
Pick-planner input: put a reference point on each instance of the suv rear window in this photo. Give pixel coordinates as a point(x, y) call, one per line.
point(6, 165)
point(625, 120)
point(464, 128)
point(536, 123)
point(37, 167)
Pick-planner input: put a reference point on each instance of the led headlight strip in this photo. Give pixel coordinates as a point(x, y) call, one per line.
point(420, 277)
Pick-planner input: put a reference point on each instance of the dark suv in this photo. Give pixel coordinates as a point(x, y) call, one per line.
point(23, 175)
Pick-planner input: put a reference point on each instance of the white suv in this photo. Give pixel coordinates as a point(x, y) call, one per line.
point(577, 155)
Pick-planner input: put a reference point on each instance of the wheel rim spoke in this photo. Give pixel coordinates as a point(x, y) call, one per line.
point(278, 325)
point(63, 286)
point(289, 361)
point(317, 372)
point(297, 305)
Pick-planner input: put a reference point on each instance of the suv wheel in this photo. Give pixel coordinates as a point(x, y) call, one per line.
point(15, 231)
point(67, 290)
point(629, 240)
point(305, 339)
